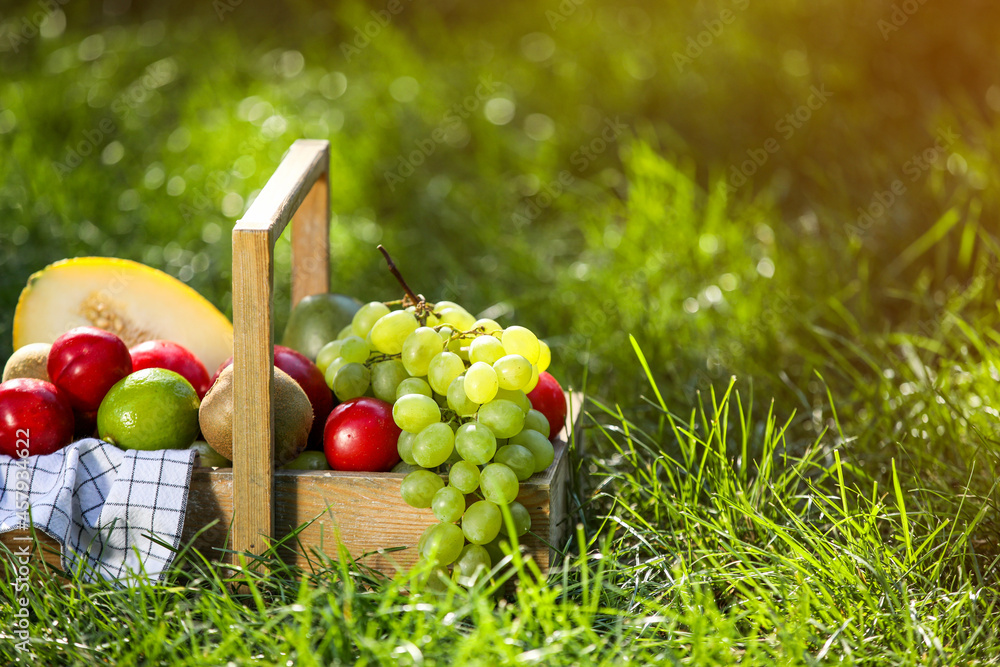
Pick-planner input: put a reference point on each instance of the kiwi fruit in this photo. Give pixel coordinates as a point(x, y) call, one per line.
point(29, 361)
point(293, 416)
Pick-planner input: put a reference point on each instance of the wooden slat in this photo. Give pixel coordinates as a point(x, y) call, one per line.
point(363, 512)
point(287, 188)
point(366, 512)
point(43, 548)
point(293, 182)
point(311, 243)
point(253, 388)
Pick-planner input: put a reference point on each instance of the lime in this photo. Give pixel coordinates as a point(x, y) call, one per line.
point(149, 409)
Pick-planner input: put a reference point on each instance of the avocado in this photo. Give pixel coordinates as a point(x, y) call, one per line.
point(317, 320)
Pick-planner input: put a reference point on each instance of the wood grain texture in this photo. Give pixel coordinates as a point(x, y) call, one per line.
point(288, 187)
point(311, 243)
point(365, 514)
point(44, 549)
point(301, 178)
point(362, 512)
point(253, 389)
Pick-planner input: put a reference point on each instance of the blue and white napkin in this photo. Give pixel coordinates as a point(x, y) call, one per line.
point(102, 504)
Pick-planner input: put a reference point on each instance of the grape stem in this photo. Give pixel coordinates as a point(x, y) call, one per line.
point(399, 277)
point(421, 306)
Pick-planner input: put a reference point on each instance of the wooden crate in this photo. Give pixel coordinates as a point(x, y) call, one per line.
point(251, 502)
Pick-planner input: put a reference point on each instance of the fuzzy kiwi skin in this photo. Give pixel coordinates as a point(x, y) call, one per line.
point(29, 361)
point(293, 416)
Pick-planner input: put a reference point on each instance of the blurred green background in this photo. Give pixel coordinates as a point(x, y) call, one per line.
point(693, 174)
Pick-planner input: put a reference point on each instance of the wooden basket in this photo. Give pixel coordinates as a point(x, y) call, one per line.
point(252, 502)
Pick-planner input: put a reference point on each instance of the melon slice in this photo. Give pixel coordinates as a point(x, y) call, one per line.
point(129, 299)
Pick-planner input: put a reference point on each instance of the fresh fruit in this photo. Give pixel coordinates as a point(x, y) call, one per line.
point(458, 392)
point(443, 544)
point(133, 301)
point(309, 377)
point(293, 416)
point(85, 363)
point(498, 483)
point(208, 457)
point(30, 361)
point(473, 564)
point(419, 487)
point(173, 357)
point(150, 409)
point(548, 398)
point(481, 522)
point(542, 451)
point(35, 418)
point(308, 461)
point(361, 435)
point(316, 320)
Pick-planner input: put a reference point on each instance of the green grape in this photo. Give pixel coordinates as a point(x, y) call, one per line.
point(351, 381)
point(444, 368)
point(459, 346)
point(482, 522)
point(445, 333)
point(517, 458)
point(519, 517)
point(513, 371)
point(497, 548)
point(326, 354)
point(441, 305)
point(458, 400)
point(534, 380)
point(457, 317)
point(536, 421)
point(415, 412)
point(475, 443)
point(390, 331)
point(424, 535)
point(345, 332)
point(544, 355)
point(404, 446)
point(386, 377)
point(355, 349)
point(330, 374)
point(541, 449)
point(473, 565)
point(418, 488)
point(464, 476)
point(443, 544)
point(366, 317)
point(442, 399)
point(515, 396)
point(481, 382)
point(502, 417)
point(518, 340)
point(486, 349)
point(413, 386)
point(487, 325)
point(405, 468)
point(498, 483)
point(433, 445)
point(448, 504)
point(422, 345)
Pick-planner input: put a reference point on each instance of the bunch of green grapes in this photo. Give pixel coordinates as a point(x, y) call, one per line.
point(458, 387)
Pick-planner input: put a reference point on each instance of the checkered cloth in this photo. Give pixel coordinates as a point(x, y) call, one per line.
point(103, 505)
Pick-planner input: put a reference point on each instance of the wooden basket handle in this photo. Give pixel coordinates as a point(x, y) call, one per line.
point(300, 187)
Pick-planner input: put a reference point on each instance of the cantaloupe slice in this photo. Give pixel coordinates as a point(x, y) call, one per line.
point(132, 300)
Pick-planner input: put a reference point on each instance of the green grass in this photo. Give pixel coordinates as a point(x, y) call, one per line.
point(836, 502)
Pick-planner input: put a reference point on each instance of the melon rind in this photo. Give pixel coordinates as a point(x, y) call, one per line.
point(132, 300)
